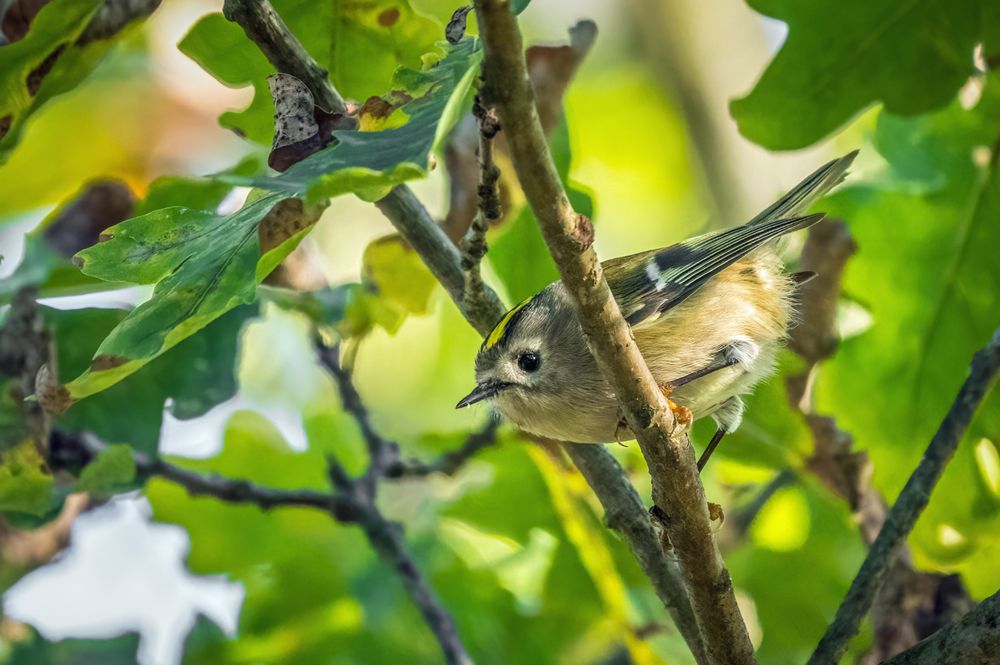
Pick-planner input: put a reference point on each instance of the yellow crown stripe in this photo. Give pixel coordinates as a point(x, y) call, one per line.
point(497, 333)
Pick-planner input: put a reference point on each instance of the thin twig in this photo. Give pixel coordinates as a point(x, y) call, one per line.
point(228, 489)
point(382, 453)
point(386, 536)
point(972, 639)
point(473, 244)
point(450, 462)
point(908, 507)
point(677, 488)
point(283, 50)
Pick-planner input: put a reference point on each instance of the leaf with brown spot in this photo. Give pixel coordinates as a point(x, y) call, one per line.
point(283, 221)
point(26, 63)
point(388, 18)
point(105, 362)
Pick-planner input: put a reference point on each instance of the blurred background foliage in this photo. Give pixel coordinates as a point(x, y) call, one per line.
point(651, 148)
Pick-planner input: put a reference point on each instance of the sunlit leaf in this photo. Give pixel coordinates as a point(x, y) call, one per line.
point(26, 484)
point(927, 271)
point(840, 57)
point(371, 163)
point(111, 470)
point(25, 64)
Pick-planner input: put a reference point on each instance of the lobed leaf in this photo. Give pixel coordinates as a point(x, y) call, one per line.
point(841, 57)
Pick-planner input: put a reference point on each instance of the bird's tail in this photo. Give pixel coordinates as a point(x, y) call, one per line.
point(807, 192)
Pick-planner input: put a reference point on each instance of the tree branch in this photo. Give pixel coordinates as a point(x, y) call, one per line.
point(972, 639)
point(676, 486)
point(624, 512)
point(911, 502)
point(283, 50)
point(473, 244)
point(450, 462)
point(416, 225)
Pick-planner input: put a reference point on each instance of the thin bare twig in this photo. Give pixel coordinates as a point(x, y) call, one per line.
point(450, 462)
point(911, 502)
point(281, 48)
point(386, 536)
point(473, 244)
point(677, 488)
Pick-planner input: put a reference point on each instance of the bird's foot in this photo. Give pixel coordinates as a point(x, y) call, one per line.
point(682, 415)
point(716, 513)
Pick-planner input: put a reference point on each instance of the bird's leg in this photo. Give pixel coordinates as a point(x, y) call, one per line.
point(712, 445)
point(728, 417)
point(740, 351)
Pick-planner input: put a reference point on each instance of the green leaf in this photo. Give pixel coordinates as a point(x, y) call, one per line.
point(927, 272)
point(26, 64)
point(371, 163)
point(519, 6)
point(842, 56)
point(203, 265)
point(39, 651)
point(194, 376)
point(26, 484)
point(381, 34)
point(112, 470)
point(397, 275)
point(224, 51)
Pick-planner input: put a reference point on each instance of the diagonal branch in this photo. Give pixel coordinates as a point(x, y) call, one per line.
point(676, 486)
point(908, 507)
point(287, 55)
point(415, 224)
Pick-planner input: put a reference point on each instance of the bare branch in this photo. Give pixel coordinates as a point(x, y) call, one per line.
point(414, 223)
point(283, 49)
point(911, 604)
point(911, 502)
point(625, 513)
point(473, 244)
point(972, 639)
point(450, 462)
point(677, 488)
point(382, 453)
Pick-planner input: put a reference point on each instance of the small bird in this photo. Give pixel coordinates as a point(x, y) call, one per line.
point(708, 314)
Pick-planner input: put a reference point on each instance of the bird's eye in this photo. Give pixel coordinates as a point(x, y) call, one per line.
point(529, 361)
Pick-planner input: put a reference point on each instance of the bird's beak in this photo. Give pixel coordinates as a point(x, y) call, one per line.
point(481, 392)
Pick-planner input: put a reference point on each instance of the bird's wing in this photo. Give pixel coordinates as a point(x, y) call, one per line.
point(648, 284)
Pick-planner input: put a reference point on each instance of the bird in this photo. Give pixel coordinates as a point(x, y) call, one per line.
point(708, 314)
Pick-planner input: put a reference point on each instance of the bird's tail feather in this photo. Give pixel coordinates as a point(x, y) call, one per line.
point(807, 192)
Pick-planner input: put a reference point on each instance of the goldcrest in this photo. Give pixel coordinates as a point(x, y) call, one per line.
point(708, 314)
